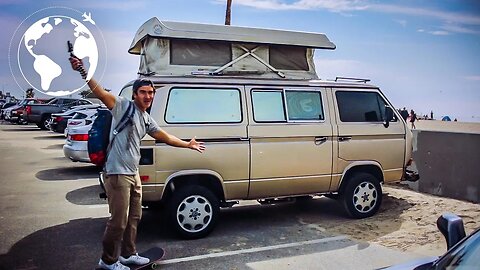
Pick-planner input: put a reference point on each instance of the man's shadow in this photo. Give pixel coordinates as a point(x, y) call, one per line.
point(70, 245)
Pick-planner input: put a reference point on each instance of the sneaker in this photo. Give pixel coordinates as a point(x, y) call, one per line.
point(134, 259)
point(115, 266)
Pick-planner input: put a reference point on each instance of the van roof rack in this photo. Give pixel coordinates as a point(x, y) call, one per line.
point(351, 79)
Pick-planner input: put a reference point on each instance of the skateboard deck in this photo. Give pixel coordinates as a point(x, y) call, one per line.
point(155, 254)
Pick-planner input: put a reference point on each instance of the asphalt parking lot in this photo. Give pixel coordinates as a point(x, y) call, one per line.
point(52, 218)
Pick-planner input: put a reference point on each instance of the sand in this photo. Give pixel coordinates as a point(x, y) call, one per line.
point(435, 125)
point(407, 221)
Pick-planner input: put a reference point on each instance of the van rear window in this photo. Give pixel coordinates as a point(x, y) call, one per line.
point(203, 105)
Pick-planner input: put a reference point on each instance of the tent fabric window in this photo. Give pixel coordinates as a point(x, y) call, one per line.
point(199, 52)
point(288, 58)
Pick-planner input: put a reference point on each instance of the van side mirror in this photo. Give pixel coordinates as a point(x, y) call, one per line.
point(451, 226)
point(388, 116)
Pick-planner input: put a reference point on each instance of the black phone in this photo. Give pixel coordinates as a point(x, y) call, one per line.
point(70, 47)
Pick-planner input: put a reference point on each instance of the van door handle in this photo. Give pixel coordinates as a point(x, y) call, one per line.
point(320, 140)
point(342, 139)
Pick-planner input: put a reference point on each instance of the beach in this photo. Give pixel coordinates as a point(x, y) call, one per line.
point(407, 221)
point(407, 218)
point(447, 126)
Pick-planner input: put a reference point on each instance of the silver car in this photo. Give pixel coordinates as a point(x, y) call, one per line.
point(75, 147)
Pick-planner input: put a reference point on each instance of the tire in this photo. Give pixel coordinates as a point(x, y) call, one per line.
point(193, 211)
point(362, 195)
point(45, 123)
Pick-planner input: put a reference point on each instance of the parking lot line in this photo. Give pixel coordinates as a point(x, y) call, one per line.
point(253, 250)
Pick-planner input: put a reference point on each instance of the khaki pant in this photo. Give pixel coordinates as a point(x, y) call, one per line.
point(124, 194)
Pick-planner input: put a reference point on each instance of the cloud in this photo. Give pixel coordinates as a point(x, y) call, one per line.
point(447, 16)
point(472, 78)
point(456, 28)
point(110, 4)
point(439, 33)
point(453, 22)
point(331, 5)
point(401, 22)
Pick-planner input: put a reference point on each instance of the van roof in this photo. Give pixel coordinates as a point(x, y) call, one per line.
point(214, 80)
point(183, 30)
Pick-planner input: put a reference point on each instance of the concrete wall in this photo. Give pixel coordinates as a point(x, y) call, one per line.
point(448, 164)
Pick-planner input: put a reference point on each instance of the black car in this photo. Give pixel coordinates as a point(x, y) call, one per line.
point(463, 252)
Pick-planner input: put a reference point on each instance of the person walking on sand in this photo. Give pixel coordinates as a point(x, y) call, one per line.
point(404, 114)
point(413, 117)
point(122, 181)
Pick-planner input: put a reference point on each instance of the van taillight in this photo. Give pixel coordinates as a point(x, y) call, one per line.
point(144, 178)
point(79, 137)
point(28, 109)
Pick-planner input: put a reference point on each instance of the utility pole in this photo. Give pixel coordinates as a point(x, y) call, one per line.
point(228, 12)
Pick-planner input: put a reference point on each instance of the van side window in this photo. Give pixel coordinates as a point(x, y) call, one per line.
point(360, 106)
point(268, 106)
point(203, 105)
point(304, 105)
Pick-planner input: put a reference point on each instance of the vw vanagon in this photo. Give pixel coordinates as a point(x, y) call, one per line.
point(272, 129)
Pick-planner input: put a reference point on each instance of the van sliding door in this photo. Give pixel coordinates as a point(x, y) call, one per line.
point(291, 141)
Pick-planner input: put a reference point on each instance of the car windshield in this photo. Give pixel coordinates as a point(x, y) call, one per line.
point(463, 257)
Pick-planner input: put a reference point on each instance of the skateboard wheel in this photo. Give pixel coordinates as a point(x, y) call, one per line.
point(153, 266)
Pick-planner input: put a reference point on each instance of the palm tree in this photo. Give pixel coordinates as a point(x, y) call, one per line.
point(228, 12)
point(29, 93)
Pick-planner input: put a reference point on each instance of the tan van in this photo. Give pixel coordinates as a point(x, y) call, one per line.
point(272, 131)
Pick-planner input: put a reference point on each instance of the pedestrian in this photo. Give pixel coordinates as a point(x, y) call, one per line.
point(404, 114)
point(413, 117)
point(431, 115)
point(122, 181)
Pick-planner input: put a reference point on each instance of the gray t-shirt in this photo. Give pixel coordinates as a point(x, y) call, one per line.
point(124, 155)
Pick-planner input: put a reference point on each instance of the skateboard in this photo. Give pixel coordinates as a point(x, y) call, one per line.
point(155, 254)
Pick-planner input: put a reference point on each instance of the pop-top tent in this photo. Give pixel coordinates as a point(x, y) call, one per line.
point(178, 48)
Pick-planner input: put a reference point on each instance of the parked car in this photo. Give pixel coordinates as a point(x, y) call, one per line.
point(75, 147)
point(14, 114)
point(40, 114)
point(462, 252)
point(5, 107)
point(59, 120)
point(81, 118)
point(273, 134)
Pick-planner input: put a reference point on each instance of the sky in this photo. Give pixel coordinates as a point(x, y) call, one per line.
point(423, 54)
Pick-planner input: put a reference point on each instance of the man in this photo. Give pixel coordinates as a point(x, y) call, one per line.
point(122, 181)
point(404, 114)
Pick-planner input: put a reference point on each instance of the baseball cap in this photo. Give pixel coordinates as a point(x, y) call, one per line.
point(142, 82)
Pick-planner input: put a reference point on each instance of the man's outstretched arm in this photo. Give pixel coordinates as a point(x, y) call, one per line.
point(174, 141)
point(106, 97)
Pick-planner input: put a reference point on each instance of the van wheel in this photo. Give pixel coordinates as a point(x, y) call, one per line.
point(193, 211)
point(362, 195)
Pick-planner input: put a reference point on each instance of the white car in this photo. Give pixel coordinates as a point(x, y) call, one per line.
point(81, 118)
point(75, 147)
